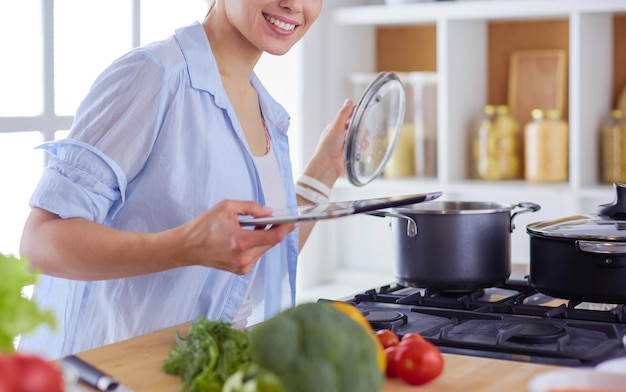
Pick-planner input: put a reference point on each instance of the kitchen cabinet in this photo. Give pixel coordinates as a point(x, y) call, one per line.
point(468, 44)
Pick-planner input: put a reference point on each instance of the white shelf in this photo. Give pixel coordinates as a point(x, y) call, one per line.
point(425, 13)
point(462, 53)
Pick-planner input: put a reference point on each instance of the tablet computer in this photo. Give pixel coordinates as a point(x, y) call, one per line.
point(336, 209)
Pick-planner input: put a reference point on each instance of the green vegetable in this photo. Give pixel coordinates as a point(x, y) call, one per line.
point(315, 347)
point(18, 315)
point(210, 353)
point(253, 379)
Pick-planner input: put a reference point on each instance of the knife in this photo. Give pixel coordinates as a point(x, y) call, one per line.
point(92, 376)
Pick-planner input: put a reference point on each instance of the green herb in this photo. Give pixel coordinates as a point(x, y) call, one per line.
point(18, 315)
point(210, 353)
point(253, 379)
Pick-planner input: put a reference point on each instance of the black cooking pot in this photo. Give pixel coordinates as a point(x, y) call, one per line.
point(454, 245)
point(582, 257)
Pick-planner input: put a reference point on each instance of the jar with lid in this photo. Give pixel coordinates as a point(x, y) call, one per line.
point(613, 144)
point(496, 145)
point(546, 147)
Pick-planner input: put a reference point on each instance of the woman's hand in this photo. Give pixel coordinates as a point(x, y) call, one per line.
point(216, 239)
point(327, 163)
point(80, 249)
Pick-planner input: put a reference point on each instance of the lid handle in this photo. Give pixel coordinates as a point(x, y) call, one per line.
point(617, 208)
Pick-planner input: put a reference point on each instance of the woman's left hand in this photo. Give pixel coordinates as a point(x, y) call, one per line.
point(327, 163)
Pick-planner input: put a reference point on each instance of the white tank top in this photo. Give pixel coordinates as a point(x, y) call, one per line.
point(275, 197)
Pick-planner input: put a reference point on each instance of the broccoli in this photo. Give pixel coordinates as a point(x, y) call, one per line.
point(315, 347)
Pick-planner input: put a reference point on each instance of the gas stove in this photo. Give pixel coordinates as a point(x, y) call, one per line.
point(512, 322)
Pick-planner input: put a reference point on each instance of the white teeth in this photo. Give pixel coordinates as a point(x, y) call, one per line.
point(280, 24)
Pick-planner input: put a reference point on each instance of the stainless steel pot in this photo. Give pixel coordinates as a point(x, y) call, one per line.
point(454, 245)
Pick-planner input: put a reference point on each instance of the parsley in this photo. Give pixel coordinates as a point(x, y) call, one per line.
point(210, 353)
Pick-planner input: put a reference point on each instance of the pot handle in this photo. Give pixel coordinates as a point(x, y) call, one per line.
point(411, 227)
point(524, 206)
point(611, 251)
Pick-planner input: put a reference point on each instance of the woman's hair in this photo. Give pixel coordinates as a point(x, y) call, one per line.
point(211, 5)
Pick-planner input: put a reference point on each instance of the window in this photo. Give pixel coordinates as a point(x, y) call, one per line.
point(52, 50)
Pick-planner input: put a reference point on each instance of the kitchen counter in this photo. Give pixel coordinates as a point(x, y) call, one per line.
point(136, 363)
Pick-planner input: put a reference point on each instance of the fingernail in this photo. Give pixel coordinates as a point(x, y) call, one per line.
point(347, 102)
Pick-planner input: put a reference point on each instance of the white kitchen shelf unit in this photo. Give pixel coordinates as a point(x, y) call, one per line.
point(462, 66)
point(345, 42)
point(431, 12)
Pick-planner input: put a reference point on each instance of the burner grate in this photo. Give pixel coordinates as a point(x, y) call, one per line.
point(512, 322)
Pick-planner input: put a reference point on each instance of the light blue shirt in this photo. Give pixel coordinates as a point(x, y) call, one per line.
point(155, 143)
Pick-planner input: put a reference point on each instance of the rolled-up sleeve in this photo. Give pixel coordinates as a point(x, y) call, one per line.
point(111, 138)
point(79, 182)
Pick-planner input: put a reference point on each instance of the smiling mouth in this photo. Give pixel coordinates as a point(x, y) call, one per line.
point(280, 24)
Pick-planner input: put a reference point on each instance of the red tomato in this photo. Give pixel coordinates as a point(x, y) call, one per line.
point(33, 373)
point(390, 353)
point(387, 337)
point(412, 336)
point(8, 374)
point(418, 362)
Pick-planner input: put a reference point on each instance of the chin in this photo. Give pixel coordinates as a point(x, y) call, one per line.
point(278, 51)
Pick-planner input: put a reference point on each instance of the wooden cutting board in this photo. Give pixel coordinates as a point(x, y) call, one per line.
point(136, 363)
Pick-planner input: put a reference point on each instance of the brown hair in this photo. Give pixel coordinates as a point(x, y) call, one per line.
point(211, 6)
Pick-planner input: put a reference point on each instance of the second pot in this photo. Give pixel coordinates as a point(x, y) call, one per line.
point(454, 245)
point(582, 257)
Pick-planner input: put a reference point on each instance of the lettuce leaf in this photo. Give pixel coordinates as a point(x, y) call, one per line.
point(18, 315)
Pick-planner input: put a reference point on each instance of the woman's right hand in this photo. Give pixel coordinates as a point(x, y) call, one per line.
point(78, 248)
point(216, 239)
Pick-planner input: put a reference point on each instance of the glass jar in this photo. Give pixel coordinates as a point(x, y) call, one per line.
point(546, 147)
point(402, 160)
point(613, 150)
point(496, 145)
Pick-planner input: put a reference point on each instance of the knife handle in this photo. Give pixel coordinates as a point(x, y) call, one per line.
point(89, 374)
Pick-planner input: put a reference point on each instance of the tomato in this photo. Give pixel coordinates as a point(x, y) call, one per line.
point(32, 374)
point(418, 362)
point(412, 336)
point(387, 337)
point(390, 353)
point(8, 374)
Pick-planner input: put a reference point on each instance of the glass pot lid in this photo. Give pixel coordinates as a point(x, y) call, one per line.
point(608, 225)
point(374, 129)
point(581, 227)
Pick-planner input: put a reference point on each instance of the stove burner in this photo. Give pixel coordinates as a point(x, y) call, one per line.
point(535, 333)
point(511, 322)
point(385, 319)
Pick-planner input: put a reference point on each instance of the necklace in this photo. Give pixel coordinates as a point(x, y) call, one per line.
point(267, 135)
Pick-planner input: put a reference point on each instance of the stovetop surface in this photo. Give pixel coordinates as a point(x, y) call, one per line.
point(512, 322)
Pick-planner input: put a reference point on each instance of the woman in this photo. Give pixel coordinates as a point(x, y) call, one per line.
point(135, 221)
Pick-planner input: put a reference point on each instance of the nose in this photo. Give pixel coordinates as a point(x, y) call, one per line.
point(295, 6)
